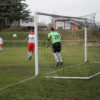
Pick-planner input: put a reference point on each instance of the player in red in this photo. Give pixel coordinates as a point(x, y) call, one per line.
point(31, 44)
point(1, 43)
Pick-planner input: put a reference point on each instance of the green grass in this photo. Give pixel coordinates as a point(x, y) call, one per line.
point(82, 70)
point(14, 66)
point(54, 89)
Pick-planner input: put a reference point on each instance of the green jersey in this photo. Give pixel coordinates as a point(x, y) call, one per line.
point(55, 37)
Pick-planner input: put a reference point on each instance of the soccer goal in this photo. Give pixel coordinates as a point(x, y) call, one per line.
point(80, 47)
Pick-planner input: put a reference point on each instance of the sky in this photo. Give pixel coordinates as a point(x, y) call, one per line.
point(66, 7)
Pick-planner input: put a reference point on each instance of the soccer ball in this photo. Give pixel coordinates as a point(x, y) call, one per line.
point(14, 35)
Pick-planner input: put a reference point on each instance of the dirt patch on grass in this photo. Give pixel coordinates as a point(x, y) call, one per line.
point(16, 67)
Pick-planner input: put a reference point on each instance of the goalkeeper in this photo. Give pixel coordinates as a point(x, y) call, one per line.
point(55, 38)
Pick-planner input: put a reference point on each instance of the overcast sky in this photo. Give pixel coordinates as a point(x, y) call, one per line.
point(66, 7)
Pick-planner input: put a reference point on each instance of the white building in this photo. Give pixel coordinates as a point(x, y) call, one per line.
point(62, 24)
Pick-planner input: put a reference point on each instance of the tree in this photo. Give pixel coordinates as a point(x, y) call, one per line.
point(3, 15)
point(12, 10)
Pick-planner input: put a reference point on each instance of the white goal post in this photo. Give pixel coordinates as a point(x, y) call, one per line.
point(36, 45)
point(36, 34)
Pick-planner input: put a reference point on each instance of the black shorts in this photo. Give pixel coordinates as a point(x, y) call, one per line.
point(56, 47)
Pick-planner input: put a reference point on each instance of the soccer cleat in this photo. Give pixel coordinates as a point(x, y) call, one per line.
point(61, 63)
point(30, 58)
point(57, 64)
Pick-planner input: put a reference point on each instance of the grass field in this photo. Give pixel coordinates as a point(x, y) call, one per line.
point(15, 67)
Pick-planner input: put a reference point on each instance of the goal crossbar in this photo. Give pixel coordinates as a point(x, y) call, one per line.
point(55, 15)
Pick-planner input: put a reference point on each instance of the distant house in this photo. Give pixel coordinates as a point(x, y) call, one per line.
point(64, 24)
point(74, 25)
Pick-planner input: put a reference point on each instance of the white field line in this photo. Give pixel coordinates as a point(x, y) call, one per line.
point(86, 78)
point(94, 62)
point(63, 68)
point(22, 81)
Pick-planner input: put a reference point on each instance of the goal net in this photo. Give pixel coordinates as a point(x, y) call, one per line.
point(80, 47)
